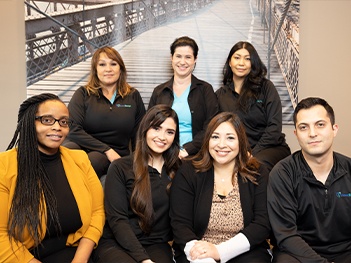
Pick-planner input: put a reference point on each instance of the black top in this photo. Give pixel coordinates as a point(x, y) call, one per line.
point(122, 223)
point(191, 201)
point(311, 220)
point(263, 121)
point(202, 103)
point(99, 125)
point(67, 208)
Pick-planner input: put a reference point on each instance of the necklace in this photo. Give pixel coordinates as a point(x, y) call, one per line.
point(224, 179)
point(221, 180)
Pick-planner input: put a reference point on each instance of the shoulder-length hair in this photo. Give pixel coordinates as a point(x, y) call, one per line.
point(253, 80)
point(141, 199)
point(245, 165)
point(33, 192)
point(93, 85)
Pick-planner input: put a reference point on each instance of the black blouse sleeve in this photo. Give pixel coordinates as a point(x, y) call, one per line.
point(254, 204)
point(77, 134)
point(118, 182)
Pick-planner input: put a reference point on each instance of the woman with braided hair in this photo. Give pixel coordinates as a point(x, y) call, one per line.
point(51, 207)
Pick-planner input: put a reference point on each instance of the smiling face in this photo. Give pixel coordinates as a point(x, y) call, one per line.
point(51, 137)
point(240, 63)
point(314, 131)
point(183, 61)
point(108, 71)
point(159, 139)
point(224, 145)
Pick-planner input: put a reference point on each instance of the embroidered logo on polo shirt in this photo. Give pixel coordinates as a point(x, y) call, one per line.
point(340, 195)
point(123, 105)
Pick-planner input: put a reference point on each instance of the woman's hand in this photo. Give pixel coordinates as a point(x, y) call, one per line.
point(84, 250)
point(203, 249)
point(112, 155)
point(182, 154)
point(147, 261)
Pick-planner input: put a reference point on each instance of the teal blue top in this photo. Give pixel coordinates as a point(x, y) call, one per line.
point(181, 107)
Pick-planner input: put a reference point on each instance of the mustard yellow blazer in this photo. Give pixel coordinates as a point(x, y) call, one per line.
point(86, 189)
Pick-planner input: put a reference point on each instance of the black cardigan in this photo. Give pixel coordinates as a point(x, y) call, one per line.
point(191, 200)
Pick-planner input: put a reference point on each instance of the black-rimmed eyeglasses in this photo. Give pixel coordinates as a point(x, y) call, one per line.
point(49, 120)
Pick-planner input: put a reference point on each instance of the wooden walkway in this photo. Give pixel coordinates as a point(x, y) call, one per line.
point(215, 28)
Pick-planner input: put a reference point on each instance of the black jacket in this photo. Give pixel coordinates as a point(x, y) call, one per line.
point(263, 121)
point(202, 103)
point(191, 201)
point(310, 220)
point(122, 224)
point(99, 125)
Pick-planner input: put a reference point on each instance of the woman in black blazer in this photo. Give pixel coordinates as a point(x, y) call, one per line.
point(218, 199)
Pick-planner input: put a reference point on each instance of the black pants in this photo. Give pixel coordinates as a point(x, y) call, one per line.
point(55, 251)
point(109, 251)
point(257, 255)
point(283, 257)
point(98, 160)
point(271, 156)
point(63, 256)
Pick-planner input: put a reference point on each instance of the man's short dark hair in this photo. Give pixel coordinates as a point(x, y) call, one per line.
point(313, 101)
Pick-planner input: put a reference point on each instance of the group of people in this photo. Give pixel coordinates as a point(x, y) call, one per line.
point(200, 177)
point(107, 111)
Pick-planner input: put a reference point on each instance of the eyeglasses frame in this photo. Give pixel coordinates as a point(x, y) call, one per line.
point(40, 118)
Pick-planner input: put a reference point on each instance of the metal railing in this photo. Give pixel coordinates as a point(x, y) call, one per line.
point(282, 20)
point(66, 38)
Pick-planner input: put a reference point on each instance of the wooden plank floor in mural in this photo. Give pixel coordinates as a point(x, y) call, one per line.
point(216, 29)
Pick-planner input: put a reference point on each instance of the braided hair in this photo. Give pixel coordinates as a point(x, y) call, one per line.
point(33, 191)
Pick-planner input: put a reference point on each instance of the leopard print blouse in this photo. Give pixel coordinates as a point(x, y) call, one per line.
point(226, 217)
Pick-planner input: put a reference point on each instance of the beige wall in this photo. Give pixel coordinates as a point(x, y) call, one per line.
point(325, 66)
point(325, 70)
point(12, 67)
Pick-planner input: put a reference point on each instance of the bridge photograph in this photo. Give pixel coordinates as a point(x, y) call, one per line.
point(62, 35)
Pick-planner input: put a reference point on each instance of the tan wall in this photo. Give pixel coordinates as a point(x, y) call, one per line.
point(325, 66)
point(325, 70)
point(12, 67)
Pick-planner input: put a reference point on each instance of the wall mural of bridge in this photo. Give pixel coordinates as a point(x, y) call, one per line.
point(63, 33)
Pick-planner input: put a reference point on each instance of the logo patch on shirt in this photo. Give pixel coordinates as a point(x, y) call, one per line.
point(123, 105)
point(340, 195)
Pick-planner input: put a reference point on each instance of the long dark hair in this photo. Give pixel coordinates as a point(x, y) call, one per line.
point(33, 191)
point(253, 81)
point(246, 166)
point(141, 199)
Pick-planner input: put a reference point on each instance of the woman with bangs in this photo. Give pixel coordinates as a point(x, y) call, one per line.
point(248, 93)
point(106, 112)
point(137, 225)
